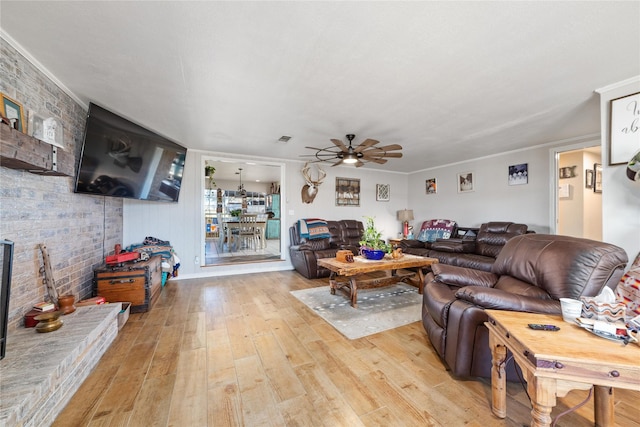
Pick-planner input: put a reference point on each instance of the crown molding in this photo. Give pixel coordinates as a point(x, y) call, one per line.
point(22, 51)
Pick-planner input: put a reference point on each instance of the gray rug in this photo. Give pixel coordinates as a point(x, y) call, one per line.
point(379, 309)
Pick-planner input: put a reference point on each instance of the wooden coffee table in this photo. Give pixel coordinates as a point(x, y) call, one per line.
point(360, 266)
point(555, 363)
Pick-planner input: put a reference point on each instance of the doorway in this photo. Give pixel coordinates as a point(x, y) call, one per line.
point(233, 192)
point(577, 200)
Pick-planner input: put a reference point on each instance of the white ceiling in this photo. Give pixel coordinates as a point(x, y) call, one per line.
point(448, 81)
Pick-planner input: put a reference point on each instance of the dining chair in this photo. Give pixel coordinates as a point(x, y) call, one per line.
point(247, 233)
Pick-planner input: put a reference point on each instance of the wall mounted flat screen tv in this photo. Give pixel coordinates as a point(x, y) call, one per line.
point(122, 159)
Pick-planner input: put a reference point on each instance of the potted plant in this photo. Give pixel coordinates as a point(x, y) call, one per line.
point(208, 172)
point(372, 246)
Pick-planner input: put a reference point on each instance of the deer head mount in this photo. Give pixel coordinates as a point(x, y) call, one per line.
point(310, 189)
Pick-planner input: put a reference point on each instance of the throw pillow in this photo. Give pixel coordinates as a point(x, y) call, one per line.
point(628, 289)
point(436, 229)
point(313, 228)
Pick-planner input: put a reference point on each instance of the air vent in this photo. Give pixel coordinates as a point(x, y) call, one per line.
point(284, 139)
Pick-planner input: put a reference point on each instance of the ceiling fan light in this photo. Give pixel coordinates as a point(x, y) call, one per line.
point(349, 159)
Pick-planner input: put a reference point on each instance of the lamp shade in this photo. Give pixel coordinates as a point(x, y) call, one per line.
point(405, 215)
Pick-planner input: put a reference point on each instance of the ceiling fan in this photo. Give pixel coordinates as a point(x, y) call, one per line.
point(365, 152)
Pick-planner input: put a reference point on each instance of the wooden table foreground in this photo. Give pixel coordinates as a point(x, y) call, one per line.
point(362, 266)
point(555, 363)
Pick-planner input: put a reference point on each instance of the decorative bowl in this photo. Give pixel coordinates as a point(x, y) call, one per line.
point(373, 254)
point(49, 321)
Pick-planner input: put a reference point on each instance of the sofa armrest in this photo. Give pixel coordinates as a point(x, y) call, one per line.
point(461, 276)
point(498, 299)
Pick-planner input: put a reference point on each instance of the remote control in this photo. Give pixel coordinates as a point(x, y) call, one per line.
point(539, 327)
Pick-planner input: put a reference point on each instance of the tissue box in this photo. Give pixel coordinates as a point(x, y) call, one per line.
point(607, 311)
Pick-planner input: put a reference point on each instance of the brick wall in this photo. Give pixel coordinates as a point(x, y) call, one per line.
point(78, 230)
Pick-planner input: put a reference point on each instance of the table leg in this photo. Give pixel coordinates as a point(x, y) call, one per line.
point(332, 283)
point(354, 292)
point(498, 377)
point(420, 280)
point(603, 406)
point(543, 398)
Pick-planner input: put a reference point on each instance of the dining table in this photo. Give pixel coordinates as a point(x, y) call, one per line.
point(234, 224)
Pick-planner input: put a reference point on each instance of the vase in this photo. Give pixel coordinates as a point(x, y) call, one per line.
point(66, 304)
point(373, 254)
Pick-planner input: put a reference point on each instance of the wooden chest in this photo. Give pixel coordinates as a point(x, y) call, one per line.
point(139, 283)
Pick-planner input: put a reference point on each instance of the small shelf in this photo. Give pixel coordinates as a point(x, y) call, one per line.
point(23, 152)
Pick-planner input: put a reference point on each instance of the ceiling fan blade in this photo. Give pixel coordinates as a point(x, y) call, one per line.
point(397, 155)
point(379, 161)
point(390, 147)
point(366, 143)
point(337, 163)
point(339, 144)
point(359, 163)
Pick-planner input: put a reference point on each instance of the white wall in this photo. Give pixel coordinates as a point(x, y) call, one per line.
point(592, 211)
point(493, 199)
point(620, 196)
point(570, 218)
point(182, 223)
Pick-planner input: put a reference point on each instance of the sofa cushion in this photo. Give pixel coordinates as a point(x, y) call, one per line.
point(453, 245)
point(498, 299)
point(493, 235)
point(563, 266)
point(351, 232)
point(515, 286)
point(315, 245)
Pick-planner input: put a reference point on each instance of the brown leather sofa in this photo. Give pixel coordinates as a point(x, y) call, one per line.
point(345, 234)
point(477, 248)
point(530, 274)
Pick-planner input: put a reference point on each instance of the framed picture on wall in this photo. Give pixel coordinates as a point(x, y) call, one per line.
point(465, 182)
point(588, 178)
point(597, 178)
point(347, 192)
point(12, 110)
point(431, 186)
point(624, 132)
point(383, 192)
point(519, 174)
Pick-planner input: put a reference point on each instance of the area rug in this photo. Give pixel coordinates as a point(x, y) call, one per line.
point(379, 309)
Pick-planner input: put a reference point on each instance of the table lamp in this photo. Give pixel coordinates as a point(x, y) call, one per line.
point(405, 216)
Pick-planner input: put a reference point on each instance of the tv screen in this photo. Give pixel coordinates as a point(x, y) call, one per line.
point(122, 159)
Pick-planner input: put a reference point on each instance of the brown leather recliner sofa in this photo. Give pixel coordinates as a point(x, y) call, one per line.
point(477, 248)
point(345, 234)
point(530, 274)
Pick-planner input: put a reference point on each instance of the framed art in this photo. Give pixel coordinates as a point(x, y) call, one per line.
point(567, 172)
point(36, 125)
point(624, 138)
point(13, 110)
point(347, 192)
point(465, 182)
point(588, 178)
point(519, 174)
point(383, 192)
point(597, 178)
point(431, 186)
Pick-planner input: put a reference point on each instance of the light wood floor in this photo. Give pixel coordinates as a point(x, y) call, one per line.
point(242, 351)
